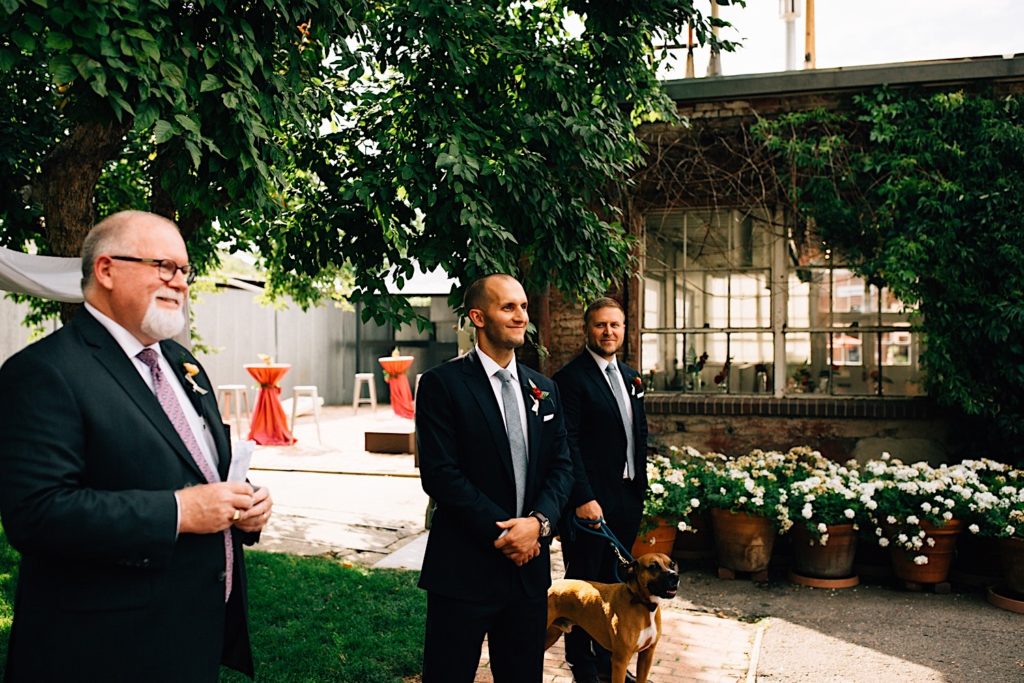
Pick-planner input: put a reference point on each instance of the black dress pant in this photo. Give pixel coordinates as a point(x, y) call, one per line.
point(514, 628)
point(591, 558)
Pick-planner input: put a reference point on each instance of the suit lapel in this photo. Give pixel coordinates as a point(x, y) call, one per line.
point(205, 404)
point(479, 386)
point(112, 357)
point(600, 383)
point(533, 424)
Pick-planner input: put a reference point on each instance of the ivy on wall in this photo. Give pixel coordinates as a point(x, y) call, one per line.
point(925, 192)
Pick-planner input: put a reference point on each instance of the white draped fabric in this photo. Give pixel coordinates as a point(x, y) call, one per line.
point(50, 277)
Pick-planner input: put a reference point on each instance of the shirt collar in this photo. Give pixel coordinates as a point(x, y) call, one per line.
point(602, 364)
point(125, 339)
point(491, 366)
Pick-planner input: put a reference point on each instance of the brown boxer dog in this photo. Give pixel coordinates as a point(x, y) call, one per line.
point(622, 617)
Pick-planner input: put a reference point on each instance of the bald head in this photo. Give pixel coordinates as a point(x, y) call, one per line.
point(477, 293)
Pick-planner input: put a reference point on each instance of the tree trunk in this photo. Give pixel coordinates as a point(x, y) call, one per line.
point(68, 182)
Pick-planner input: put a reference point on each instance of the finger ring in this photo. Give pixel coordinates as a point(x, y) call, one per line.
point(237, 515)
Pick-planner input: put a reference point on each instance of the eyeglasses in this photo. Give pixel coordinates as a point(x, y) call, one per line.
point(166, 267)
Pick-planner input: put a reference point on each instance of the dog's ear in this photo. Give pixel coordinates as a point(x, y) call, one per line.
point(631, 570)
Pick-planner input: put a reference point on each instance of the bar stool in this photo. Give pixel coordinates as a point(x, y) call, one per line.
point(364, 378)
point(233, 396)
point(307, 390)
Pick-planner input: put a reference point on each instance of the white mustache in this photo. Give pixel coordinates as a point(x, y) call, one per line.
point(168, 293)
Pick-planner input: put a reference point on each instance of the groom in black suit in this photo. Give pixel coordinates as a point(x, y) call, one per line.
point(113, 463)
point(493, 456)
point(604, 415)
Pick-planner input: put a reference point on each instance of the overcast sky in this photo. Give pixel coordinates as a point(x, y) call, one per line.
point(853, 32)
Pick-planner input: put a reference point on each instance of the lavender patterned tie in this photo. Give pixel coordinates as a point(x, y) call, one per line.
point(168, 401)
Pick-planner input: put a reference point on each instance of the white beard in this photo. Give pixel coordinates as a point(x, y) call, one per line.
point(163, 324)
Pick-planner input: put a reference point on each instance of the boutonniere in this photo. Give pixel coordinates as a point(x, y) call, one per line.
point(637, 388)
point(191, 370)
point(538, 396)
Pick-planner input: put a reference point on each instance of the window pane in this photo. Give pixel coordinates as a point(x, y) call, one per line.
point(750, 302)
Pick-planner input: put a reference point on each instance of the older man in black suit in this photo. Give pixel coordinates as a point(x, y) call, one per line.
point(493, 456)
point(604, 414)
point(112, 482)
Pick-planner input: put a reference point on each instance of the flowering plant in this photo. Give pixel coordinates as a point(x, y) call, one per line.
point(755, 483)
point(997, 509)
point(905, 496)
point(674, 486)
point(825, 493)
point(538, 396)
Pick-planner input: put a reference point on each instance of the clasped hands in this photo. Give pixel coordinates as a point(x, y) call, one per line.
point(520, 540)
point(210, 508)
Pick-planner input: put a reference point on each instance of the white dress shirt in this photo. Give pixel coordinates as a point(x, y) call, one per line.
point(491, 368)
point(603, 364)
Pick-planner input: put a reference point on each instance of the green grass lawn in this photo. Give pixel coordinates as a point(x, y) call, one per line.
point(311, 619)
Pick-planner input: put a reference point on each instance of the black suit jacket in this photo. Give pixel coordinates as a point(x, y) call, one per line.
point(466, 467)
point(88, 467)
point(597, 439)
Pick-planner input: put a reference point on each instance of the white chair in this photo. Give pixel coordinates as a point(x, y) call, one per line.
point(233, 400)
point(364, 378)
point(311, 391)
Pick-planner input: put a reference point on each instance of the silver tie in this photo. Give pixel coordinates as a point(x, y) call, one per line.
point(613, 378)
point(516, 440)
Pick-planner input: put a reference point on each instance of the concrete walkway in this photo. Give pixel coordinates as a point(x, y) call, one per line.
point(334, 498)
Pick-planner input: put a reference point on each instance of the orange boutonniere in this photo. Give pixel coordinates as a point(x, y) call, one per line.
point(191, 370)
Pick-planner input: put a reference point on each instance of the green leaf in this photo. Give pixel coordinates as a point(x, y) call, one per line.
point(210, 82)
point(230, 100)
point(172, 74)
point(9, 6)
point(58, 41)
point(146, 114)
point(7, 59)
point(23, 40)
point(61, 69)
point(194, 152)
point(162, 131)
point(141, 34)
point(187, 123)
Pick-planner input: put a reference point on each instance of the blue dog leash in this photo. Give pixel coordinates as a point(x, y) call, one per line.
point(623, 555)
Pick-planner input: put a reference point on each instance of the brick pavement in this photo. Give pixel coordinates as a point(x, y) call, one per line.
point(694, 647)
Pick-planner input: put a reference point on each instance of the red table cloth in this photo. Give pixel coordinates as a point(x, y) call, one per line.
point(401, 395)
point(269, 425)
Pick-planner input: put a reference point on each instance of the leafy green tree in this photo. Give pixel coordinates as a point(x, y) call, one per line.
point(335, 137)
point(925, 193)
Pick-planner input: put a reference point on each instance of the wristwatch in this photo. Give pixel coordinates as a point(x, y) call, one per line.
point(545, 524)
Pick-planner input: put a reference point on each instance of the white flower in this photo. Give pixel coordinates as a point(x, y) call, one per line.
point(871, 504)
point(883, 541)
point(849, 514)
point(694, 503)
point(902, 538)
point(890, 519)
point(920, 559)
point(974, 528)
point(931, 542)
point(926, 506)
point(947, 515)
point(807, 511)
point(682, 526)
point(824, 539)
point(657, 488)
point(912, 519)
point(822, 528)
point(1010, 531)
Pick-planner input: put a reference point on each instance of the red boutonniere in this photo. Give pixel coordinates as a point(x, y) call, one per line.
point(538, 396)
point(638, 387)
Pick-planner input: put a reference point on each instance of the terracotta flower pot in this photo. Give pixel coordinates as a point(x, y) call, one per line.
point(833, 560)
point(1011, 557)
point(657, 540)
point(940, 556)
point(698, 544)
point(743, 542)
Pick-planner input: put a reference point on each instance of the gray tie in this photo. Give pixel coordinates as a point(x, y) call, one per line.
point(613, 378)
point(516, 440)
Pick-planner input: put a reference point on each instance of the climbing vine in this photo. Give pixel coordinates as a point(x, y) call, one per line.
point(924, 193)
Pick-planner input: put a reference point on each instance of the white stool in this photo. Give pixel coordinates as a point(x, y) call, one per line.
point(233, 396)
point(307, 390)
point(364, 378)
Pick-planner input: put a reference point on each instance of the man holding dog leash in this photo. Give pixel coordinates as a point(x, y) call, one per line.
point(602, 399)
